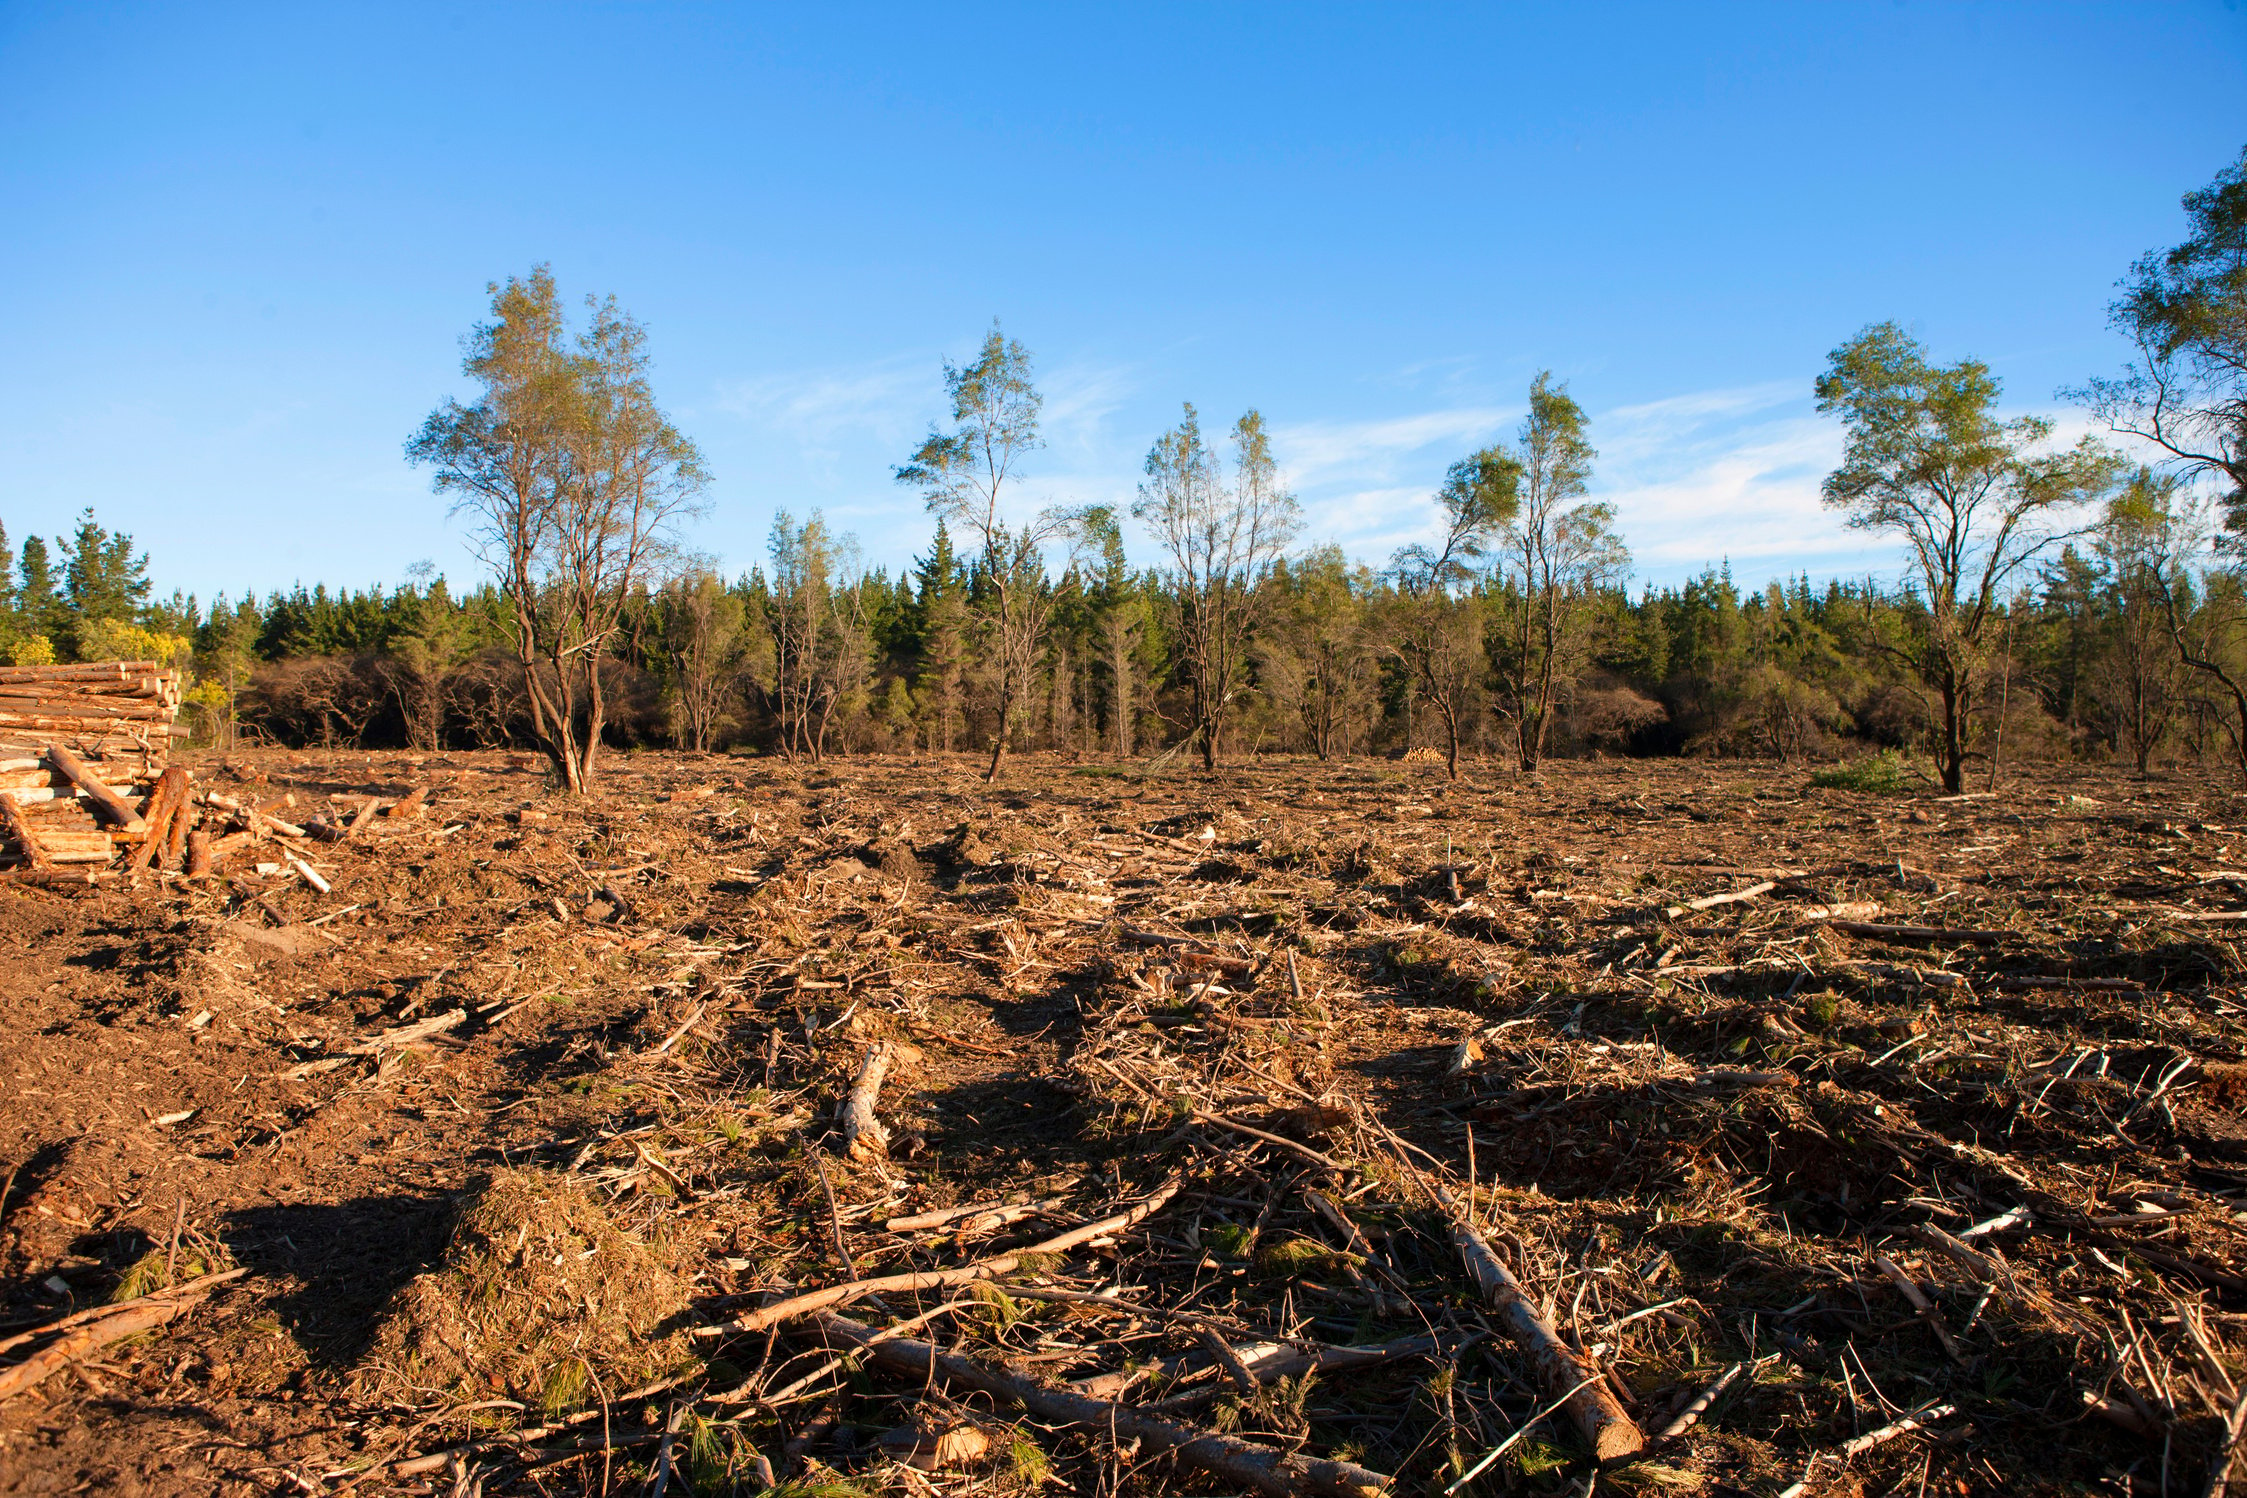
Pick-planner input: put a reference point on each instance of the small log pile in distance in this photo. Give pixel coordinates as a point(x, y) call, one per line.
point(84, 750)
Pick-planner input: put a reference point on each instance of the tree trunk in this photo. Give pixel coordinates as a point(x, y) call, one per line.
point(998, 731)
point(1954, 739)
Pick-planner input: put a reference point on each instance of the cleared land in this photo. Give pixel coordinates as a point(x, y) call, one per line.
point(519, 1127)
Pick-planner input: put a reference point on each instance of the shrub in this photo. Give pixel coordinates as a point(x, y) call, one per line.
point(1882, 774)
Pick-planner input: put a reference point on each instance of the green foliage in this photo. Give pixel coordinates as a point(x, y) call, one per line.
point(1027, 1462)
point(1882, 774)
point(1227, 1238)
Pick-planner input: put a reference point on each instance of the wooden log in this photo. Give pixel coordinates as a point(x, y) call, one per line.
point(198, 855)
point(19, 832)
point(61, 795)
point(74, 844)
point(1566, 1373)
point(83, 671)
point(130, 730)
point(86, 705)
point(1848, 910)
point(75, 878)
point(131, 689)
point(359, 821)
point(938, 1279)
point(1262, 1469)
point(167, 804)
point(111, 804)
point(864, 1135)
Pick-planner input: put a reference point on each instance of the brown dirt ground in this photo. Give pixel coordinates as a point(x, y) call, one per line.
point(1715, 1120)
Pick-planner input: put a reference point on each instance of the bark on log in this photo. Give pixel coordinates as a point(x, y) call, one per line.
point(938, 1279)
point(1598, 1416)
point(19, 832)
point(117, 808)
point(86, 705)
point(198, 855)
point(1277, 1474)
point(165, 805)
point(83, 671)
point(175, 837)
point(126, 729)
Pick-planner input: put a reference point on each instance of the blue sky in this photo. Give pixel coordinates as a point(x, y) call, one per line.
point(241, 243)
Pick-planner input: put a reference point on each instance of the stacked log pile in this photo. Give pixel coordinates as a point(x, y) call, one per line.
point(120, 714)
point(83, 749)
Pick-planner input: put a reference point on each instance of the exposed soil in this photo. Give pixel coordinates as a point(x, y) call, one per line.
point(1696, 1137)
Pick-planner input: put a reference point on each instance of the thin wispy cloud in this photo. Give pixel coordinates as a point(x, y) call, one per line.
point(831, 409)
point(1696, 479)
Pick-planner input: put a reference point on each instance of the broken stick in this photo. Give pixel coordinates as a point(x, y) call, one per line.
point(1711, 902)
point(1278, 1474)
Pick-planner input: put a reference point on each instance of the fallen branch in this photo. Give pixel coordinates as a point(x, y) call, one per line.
point(1729, 897)
point(1684, 1420)
point(1278, 1474)
point(1605, 1426)
point(1921, 1306)
point(1188, 953)
point(388, 1040)
point(90, 1331)
point(1859, 1445)
point(937, 1279)
point(1279, 1140)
